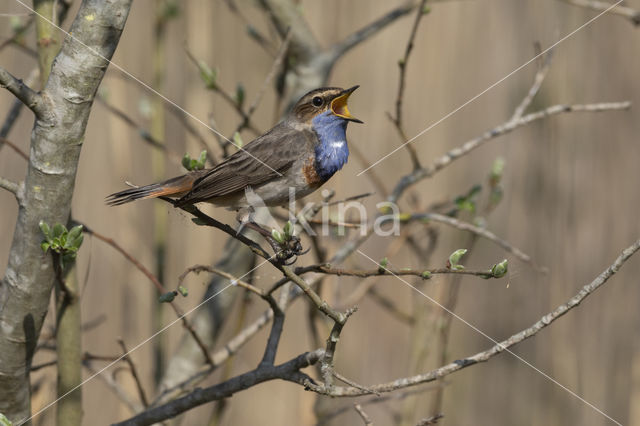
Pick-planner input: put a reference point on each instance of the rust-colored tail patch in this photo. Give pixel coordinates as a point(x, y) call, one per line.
point(175, 187)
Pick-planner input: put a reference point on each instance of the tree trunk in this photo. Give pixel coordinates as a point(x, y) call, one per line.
point(56, 140)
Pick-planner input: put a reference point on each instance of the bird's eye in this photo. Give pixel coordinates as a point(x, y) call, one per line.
point(317, 101)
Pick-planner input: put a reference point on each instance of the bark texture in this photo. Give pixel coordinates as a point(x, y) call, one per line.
point(56, 141)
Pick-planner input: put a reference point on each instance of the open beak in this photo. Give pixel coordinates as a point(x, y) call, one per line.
point(339, 105)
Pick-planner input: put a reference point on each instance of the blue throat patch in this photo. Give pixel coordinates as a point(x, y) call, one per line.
point(332, 153)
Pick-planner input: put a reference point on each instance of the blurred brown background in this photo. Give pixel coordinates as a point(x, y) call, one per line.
point(571, 202)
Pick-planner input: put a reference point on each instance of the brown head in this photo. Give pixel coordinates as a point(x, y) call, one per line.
point(320, 100)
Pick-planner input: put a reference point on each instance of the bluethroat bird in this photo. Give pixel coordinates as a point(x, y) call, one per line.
point(301, 152)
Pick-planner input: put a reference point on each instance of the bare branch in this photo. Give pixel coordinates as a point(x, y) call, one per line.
point(277, 64)
point(111, 382)
point(278, 314)
point(14, 147)
point(18, 32)
point(10, 186)
point(263, 373)
point(500, 347)
point(370, 30)
point(16, 108)
point(204, 268)
point(246, 119)
point(502, 129)
point(365, 418)
point(143, 133)
point(377, 399)
point(159, 287)
point(537, 83)
point(484, 233)
point(631, 14)
point(424, 273)
point(402, 64)
point(134, 373)
point(21, 91)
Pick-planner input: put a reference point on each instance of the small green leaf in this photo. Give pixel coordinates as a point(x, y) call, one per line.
point(454, 259)
point(4, 421)
point(240, 94)
point(497, 169)
point(382, 266)
point(499, 270)
point(237, 140)
point(186, 161)
point(426, 10)
point(426, 275)
point(74, 232)
point(45, 229)
point(184, 292)
point(58, 230)
point(76, 242)
point(202, 160)
point(277, 236)
point(45, 246)
point(168, 297)
point(288, 230)
point(208, 75)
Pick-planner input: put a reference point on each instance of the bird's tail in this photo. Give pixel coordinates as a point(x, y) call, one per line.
point(175, 187)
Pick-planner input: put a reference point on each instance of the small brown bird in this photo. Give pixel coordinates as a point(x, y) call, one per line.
point(301, 153)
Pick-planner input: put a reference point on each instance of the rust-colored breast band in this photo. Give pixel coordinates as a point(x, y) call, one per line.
point(310, 174)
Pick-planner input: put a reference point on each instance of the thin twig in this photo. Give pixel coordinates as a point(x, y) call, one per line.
point(227, 97)
point(21, 91)
point(391, 307)
point(424, 273)
point(11, 187)
point(499, 347)
point(16, 108)
point(134, 373)
point(484, 233)
point(14, 147)
point(251, 29)
point(19, 32)
point(235, 281)
point(543, 69)
point(365, 418)
point(378, 399)
point(372, 175)
point(349, 381)
point(117, 389)
point(142, 132)
point(207, 220)
point(370, 30)
point(402, 64)
point(277, 63)
point(278, 317)
point(504, 128)
point(159, 287)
